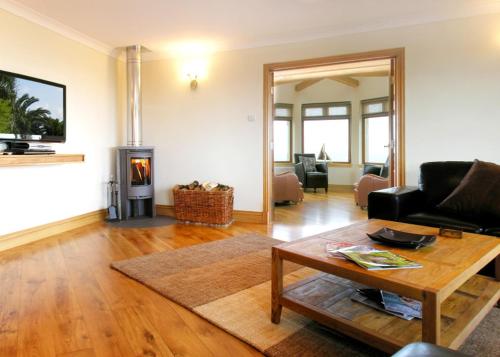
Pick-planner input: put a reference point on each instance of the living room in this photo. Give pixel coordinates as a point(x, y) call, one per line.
point(59, 295)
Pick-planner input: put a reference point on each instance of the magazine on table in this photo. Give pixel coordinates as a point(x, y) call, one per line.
point(333, 248)
point(374, 259)
point(388, 302)
point(400, 304)
point(365, 300)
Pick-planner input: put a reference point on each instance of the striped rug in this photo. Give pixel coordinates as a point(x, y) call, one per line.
point(228, 283)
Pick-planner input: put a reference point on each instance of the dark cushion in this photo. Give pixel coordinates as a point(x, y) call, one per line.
point(317, 180)
point(372, 169)
point(309, 163)
point(439, 179)
point(478, 195)
point(439, 220)
point(317, 174)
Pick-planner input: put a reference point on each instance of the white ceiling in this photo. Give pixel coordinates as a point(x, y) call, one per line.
point(230, 24)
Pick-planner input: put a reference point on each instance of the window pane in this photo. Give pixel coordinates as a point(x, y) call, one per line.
point(374, 108)
point(333, 133)
point(314, 112)
point(282, 112)
point(337, 110)
point(376, 139)
point(282, 140)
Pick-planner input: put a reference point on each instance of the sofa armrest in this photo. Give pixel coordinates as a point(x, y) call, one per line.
point(394, 203)
point(322, 167)
point(300, 172)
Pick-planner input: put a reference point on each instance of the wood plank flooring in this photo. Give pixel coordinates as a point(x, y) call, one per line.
point(58, 296)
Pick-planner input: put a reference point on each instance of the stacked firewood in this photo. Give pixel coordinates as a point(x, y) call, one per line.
point(205, 186)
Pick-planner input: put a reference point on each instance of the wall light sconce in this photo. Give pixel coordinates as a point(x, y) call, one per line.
point(194, 70)
point(193, 81)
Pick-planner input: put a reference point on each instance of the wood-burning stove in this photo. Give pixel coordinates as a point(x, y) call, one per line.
point(134, 167)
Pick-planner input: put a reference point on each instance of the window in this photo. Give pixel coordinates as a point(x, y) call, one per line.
point(282, 132)
point(327, 124)
point(375, 117)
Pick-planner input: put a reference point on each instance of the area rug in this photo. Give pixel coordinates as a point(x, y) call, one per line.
point(227, 283)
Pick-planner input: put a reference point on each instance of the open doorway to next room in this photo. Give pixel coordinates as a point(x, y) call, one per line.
point(331, 142)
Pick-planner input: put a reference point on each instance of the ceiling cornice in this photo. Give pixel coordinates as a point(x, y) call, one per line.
point(56, 26)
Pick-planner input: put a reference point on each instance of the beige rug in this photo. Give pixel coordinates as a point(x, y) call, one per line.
point(227, 283)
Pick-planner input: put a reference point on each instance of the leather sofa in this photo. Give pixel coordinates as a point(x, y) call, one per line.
point(311, 179)
point(418, 205)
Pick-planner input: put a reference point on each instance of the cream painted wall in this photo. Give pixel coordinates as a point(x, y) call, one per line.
point(452, 104)
point(36, 195)
point(331, 91)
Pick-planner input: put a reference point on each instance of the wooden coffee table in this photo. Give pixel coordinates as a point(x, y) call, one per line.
point(455, 299)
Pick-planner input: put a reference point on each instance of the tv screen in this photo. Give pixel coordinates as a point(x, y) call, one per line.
point(31, 109)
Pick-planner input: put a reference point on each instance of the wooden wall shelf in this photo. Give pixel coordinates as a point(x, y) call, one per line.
point(23, 160)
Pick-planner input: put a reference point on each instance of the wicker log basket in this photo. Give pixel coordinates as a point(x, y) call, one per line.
point(213, 207)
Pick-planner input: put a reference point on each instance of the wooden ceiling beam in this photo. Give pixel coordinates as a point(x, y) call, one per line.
point(371, 74)
point(348, 81)
point(307, 83)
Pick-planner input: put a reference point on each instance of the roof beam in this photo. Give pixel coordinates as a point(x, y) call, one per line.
point(348, 81)
point(371, 74)
point(307, 83)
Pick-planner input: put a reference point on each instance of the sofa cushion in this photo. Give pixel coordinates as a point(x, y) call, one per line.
point(372, 169)
point(477, 197)
point(438, 179)
point(309, 163)
point(439, 220)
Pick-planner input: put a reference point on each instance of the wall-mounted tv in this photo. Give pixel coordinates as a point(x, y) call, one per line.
point(31, 109)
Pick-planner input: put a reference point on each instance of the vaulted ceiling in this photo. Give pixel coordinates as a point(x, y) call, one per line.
point(161, 25)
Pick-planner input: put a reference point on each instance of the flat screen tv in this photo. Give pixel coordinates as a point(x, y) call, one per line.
point(31, 109)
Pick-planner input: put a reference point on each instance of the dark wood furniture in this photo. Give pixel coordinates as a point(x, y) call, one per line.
point(455, 299)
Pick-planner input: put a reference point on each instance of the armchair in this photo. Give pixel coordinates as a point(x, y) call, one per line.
point(374, 178)
point(286, 187)
point(311, 176)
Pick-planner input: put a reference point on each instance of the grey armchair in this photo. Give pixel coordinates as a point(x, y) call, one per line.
point(313, 177)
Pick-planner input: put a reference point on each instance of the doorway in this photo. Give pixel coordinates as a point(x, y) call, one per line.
point(339, 69)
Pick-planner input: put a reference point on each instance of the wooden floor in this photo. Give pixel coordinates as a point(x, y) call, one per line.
point(58, 296)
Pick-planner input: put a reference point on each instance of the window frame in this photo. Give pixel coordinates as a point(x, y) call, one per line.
point(288, 106)
point(325, 116)
point(385, 105)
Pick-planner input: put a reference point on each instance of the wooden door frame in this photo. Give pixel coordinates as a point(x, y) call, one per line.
point(397, 57)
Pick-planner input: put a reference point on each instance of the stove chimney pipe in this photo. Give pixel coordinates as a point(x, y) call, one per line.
point(134, 98)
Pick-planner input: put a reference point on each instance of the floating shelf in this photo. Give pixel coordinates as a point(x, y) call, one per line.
point(23, 160)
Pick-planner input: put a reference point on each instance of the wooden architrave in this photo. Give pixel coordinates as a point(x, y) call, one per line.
point(396, 55)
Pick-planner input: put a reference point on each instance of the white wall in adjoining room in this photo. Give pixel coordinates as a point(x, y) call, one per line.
point(452, 74)
point(331, 91)
point(37, 195)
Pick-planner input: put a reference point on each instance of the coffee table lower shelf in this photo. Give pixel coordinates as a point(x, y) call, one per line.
point(326, 298)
